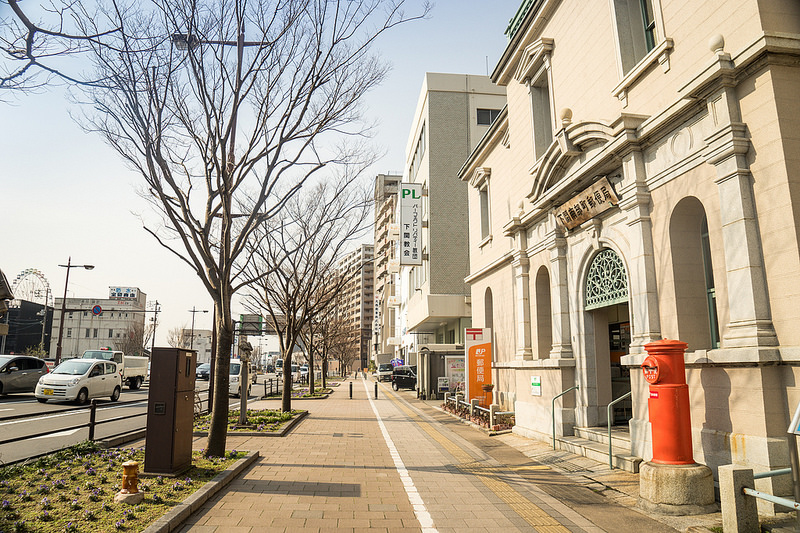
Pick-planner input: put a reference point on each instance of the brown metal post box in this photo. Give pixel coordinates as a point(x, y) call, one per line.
point(170, 411)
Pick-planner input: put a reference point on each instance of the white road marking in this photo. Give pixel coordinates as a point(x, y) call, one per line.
point(65, 433)
point(421, 512)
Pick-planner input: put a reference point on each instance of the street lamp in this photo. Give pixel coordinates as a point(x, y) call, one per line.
point(194, 312)
point(64, 305)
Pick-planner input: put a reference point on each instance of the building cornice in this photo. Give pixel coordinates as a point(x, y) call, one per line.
point(508, 257)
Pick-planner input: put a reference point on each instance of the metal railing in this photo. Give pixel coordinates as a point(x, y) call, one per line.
point(553, 410)
point(609, 411)
point(91, 425)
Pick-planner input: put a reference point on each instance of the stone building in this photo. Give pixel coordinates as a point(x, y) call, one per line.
point(643, 183)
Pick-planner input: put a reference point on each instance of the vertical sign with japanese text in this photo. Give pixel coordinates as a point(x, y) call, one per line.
point(410, 239)
point(478, 348)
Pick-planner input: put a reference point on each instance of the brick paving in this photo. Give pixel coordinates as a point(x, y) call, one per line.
point(335, 472)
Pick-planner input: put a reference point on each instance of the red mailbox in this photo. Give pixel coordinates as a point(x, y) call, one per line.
point(670, 419)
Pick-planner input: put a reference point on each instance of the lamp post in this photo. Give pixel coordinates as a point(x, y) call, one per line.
point(156, 309)
point(64, 305)
point(194, 312)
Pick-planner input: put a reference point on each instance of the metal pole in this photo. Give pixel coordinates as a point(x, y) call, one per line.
point(376, 390)
point(191, 337)
point(92, 417)
point(155, 323)
point(63, 312)
point(795, 464)
point(351, 390)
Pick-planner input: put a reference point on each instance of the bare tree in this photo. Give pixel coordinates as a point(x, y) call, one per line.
point(173, 115)
point(314, 231)
point(135, 339)
point(178, 337)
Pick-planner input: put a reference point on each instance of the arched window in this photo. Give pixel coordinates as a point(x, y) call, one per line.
point(607, 281)
point(693, 275)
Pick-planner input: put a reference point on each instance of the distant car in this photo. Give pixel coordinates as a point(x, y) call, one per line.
point(384, 372)
point(404, 377)
point(80, 380)
point(203, 371)
point(235, 379)
point(295, 373)
point(304, 373)
point(20, 373)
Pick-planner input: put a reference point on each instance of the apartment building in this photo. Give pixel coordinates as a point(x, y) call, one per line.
point(659, 200)
point(356, 301)
point(387, 267)
point(91, 323)
point(453, 113)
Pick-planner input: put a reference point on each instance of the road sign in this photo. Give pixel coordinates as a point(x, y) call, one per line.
point(96, 310)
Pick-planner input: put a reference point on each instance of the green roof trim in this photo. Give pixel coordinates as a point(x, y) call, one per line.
point(516, 20)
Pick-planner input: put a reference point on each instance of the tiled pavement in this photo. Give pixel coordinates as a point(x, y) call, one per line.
point(417, 469)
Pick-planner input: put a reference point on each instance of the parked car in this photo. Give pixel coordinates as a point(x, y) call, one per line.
point(404, 377)
point(203, 371)
point(304, 373)
point(20, 373)
point(80, 380)
point(295, 373)
point(235, 379)
point(384, 372)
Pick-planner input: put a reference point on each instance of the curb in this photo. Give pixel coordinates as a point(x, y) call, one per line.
point(283, 431)
point(178, 514)
point(113, 442)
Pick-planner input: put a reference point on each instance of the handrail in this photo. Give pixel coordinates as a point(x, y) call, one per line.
point(481, 408)
point(608, 421)
point(553, 410)
point(772, 473)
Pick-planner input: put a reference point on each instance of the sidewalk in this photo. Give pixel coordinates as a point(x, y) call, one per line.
point(398, 463)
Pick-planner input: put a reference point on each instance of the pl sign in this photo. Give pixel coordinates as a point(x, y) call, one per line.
point(410, 239)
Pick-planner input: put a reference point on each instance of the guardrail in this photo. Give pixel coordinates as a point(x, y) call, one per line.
point(553, 410)
point(609, 411)
point(91, 425)
point(737, 496)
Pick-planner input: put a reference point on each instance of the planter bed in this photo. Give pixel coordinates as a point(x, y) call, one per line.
point(262, 423)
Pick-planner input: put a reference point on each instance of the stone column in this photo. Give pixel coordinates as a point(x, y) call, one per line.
point(642, 283)
point(748, 303)
point(559, 298)
point(522, 286)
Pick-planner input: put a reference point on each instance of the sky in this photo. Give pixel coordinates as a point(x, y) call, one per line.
point(64, 193)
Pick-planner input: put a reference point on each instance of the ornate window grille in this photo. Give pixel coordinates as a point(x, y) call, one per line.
point(607, 282)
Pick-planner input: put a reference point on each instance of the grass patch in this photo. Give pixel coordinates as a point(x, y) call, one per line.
point(73, 490)
point(262, 419)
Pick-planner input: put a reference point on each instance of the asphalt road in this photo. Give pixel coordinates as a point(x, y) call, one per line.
point(59, 419)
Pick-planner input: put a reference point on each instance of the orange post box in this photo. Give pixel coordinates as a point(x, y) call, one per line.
point(670, 419)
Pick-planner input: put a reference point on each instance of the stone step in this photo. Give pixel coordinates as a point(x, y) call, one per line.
point(620, 438)
point(621, 457)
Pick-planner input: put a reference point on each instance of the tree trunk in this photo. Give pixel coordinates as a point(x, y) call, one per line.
point(286, 397)
point(218, 430)
point(311, 373)
point(324, 372)
point(244, 384)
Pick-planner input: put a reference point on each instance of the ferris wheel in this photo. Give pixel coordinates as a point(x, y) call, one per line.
point(31, 285)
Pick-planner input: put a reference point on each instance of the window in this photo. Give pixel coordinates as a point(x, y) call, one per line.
point(87, 333)
point(485, 226)
point(95, 333)
point(636, 30)
point(711, 294)
point(70, 314)
point(487, 116)
point(110, 333)
point(541, 113)
point(416, 159)
point(69, 332)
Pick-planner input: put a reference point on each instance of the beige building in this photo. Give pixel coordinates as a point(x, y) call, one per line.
point(201, 343)
point(355, 302)
point(643, 183)
point(121, 314)
point(453, 113)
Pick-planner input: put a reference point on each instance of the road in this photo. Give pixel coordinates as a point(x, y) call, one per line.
point(22, 415)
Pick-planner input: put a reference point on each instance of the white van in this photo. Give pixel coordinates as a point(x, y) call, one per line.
point(235, 379)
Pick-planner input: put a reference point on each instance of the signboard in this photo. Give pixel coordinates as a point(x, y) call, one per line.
point(455, 372)
point(410, 239)
point(478, 349)
point(123, 293)
point(536, 385)
point(250, 324)
point(587, 204)
point(443, 384)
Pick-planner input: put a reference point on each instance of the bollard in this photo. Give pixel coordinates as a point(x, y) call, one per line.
point(493, 409)
point(376, 390)
point(92, 417)
point(473, 403)
point(351, 390)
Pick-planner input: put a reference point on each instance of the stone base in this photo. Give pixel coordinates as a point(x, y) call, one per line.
point(131, 498)
point(676, 490)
